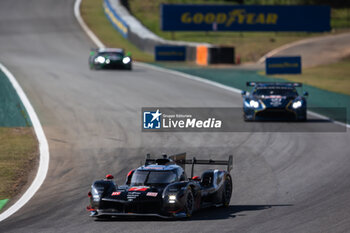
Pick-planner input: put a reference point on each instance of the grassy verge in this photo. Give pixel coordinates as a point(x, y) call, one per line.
point(334, 77)
point(93, 15)
point(18, 154)
point(250, 46)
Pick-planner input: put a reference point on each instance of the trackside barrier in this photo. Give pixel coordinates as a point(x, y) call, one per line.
point(117, 22)
point(140, 36)
point(164, 50)
point(202, 55)
point(215, 55)
point(222, 55)
point(170, 53)
point(283, 65)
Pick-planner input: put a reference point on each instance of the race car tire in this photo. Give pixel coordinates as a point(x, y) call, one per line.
point(129, 67)
point(246, 119)
point(303, 118)
point(227, 192)
point(189, 202)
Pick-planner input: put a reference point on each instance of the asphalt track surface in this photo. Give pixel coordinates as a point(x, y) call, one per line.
point(283, 182)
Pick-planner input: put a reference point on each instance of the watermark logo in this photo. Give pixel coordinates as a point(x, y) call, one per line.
point(168, 119)
point(179, 119)
point(152, 120)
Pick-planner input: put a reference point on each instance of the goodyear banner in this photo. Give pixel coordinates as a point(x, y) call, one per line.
point(170, 53)
point(117, 22)
point(283, 65)
point(244, 18)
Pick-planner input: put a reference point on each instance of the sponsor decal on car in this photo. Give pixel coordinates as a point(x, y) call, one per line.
point(133, 195)
point(152, 194)
point(276, 102)
point(116, 193)
point(139, 188)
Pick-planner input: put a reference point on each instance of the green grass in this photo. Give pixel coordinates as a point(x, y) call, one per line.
point(3, 203)
point(93, 15)
point(340, 18)
point(18, 154)
point(334, 77)
point(250, 46)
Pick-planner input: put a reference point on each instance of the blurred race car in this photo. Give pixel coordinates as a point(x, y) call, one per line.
point(271, 101)
point(160, 188)
point(109, 58)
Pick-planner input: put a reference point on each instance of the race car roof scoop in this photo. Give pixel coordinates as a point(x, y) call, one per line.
point(164, 161)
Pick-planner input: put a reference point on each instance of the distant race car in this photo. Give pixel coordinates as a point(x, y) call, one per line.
point(109, 58)
point(160, 188)
point(274, 101)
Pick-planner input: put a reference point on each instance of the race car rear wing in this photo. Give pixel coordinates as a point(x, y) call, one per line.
point(253, 84)
point(180, 159)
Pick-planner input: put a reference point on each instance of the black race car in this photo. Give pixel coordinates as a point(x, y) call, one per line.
point(109, 58)
point(273, 101)
point(160, 188)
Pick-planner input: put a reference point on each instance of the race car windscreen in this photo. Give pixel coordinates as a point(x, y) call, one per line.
point(116, 55)
point(152, 177)
point(275, 91)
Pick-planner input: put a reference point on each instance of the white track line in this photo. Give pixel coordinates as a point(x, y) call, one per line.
point(299, 42)
point(43, 149)
point(189, 76)
point(283, 47)
point(86, 29)
point(98, 43)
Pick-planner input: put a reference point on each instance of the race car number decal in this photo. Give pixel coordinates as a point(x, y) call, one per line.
point(151, 194)
point(116, 193)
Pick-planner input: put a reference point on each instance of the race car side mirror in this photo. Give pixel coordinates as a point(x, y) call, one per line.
point(128, 177)
point(109, 177)
point(196, 178)
point(306, 93)
point(243, 93)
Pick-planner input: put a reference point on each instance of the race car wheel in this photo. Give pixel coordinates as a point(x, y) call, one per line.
point(129, 67)
point(245, 117)
point(189, 203)
point(226, 194)
point(303, 118)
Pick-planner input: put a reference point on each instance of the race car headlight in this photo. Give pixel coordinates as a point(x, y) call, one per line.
point(254, 104)
point(172, 198)
point(297, 104)
point(100, 59)
point(126, 60)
